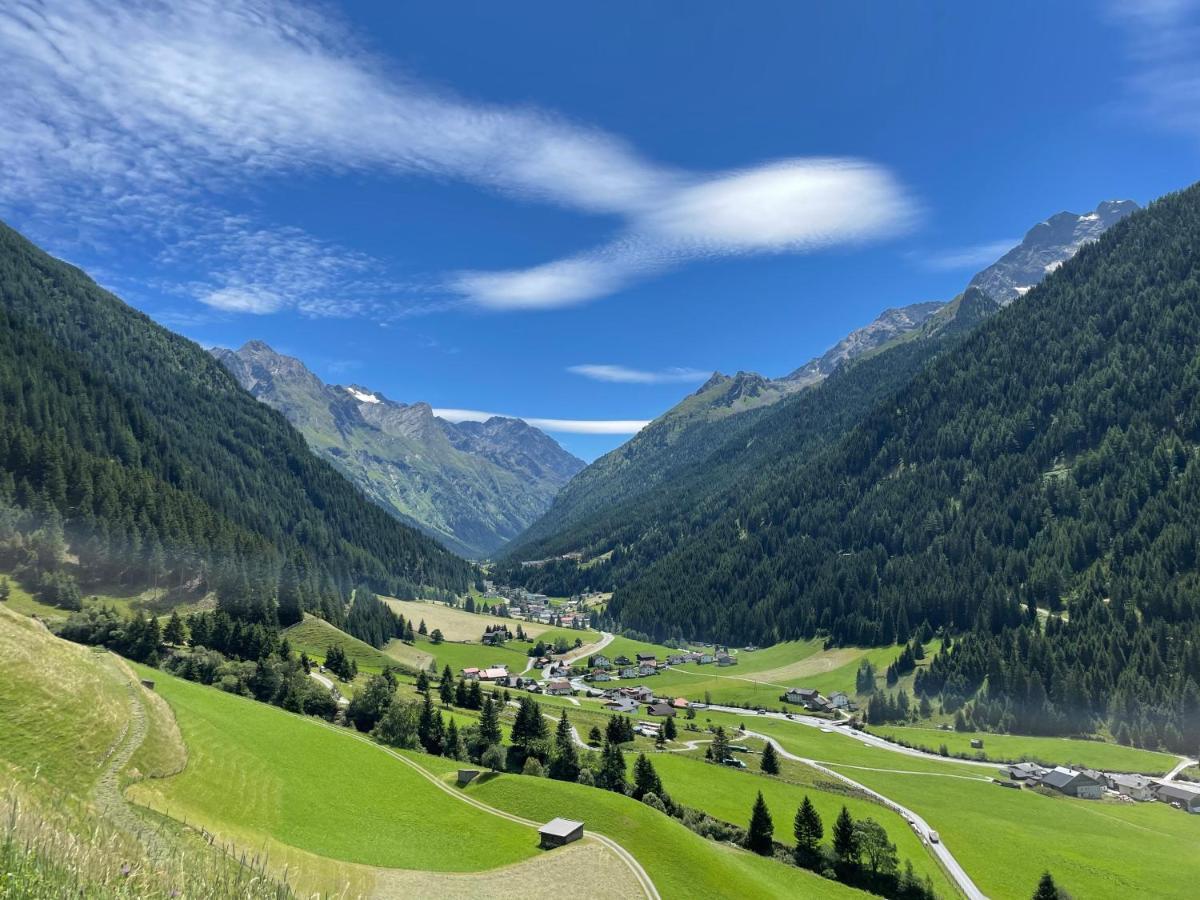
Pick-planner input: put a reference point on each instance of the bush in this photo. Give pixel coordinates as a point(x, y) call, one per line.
point(495, 758)
point(533, 767)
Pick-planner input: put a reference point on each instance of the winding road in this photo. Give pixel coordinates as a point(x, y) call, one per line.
point(956, 872)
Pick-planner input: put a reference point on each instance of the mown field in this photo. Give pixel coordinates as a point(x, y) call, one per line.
point(681, 863)
point(254, 770)
point(1051, 751)
point(459, 625)
point(728, 794)
point(315, 636)
point(1004, 838)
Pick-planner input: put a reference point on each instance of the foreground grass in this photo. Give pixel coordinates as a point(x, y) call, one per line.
point(1050, 751)
point(254, 770)
point(682, 864)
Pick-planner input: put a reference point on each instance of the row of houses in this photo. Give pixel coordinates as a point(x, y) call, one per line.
point(1089, 784)
point(811, 699)
point(627, 701)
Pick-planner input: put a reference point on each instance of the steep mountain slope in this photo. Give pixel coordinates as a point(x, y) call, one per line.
point(158, 465)
point(473, 485)
point(1049, 461)
point(596, 512)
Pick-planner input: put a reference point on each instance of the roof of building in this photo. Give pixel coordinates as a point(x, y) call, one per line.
point(1133, 781)
point(1060, 777)
point(560, 827)
point(1179, 792)
point(804, 692)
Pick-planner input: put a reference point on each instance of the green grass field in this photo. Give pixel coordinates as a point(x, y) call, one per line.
point(315, 636)
point(254, 771)
point(1051, 751)
point(681, 863)
point(728, 794)
point(1095, 849)
point(459, 625)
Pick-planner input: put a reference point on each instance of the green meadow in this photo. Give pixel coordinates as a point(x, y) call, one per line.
point(1050, 751)
point(254, 771)
point(1095, 848)
point(728, 794)
point(315, 636)
point(681, 863)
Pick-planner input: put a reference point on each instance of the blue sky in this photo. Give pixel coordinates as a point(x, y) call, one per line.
point(570, 212)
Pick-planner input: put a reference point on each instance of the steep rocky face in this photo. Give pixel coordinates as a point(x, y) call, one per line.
point(890, 324)
point(472, 485)
point(1047, 246)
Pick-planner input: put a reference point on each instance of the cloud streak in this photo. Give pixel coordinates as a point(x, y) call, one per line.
point(625, 375)
point(1165, 86)
point(146, 118)
point(567, 426)
point(972, 256)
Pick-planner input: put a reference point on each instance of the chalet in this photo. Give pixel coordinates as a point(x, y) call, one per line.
point(1025, 771)
point(706, 658)
point(646, 669)
point(676, 659)
point(644, 658)
point(640, 693)
point(600, 661)
point(558, 832)
point(494, 638)
point(1136, 787)
point(493, 672)
point(470, 674)
point(726, 660)
point(1073, 783)
point(628, 672)
point(600, 675)
point(661, 709)
point(839, 700)
point(692, 657)
point(559, 688)
point(622, 706)
point(1187, 799)
point(623, 660)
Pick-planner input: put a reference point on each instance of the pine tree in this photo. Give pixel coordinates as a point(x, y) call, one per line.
point(612, 768)
point(489, 724)
point(176, 632)
point(422, 682)
point(770, 762)
point(845, 839)
point(668, 729)
point(645, 779)
point(720, 745)
point(564, 765)
point(431, 727)
point(446, 687)
point(454, 742)
point(808, 831)
point(1047, 889)
point(760, 834)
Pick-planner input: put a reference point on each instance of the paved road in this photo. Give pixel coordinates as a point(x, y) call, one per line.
point(1183, 764)
point(956, 872)
point(582, 653)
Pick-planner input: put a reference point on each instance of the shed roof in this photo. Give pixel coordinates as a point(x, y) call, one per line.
point(560, 827)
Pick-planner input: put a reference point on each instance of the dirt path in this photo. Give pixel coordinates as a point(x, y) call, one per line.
point(107, 792)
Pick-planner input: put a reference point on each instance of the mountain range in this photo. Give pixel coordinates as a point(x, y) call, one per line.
point(593, 513)
point(472, 485)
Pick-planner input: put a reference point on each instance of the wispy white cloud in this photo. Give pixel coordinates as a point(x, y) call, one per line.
point(1165, 85)
point(567, 426)
point(135, 119)
point(790, 206)
point(626, 375)
point(972, 256)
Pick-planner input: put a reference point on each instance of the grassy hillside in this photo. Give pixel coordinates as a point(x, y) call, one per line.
point(458, 624)
point(315, 636)
point(255, 771)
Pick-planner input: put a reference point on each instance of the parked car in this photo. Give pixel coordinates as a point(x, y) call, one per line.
point(934, 837)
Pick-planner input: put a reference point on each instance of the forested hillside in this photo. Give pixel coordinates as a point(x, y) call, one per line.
point(1049, 462)
point(471, 485)
point(138, 449)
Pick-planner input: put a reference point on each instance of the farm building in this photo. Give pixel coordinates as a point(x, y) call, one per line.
point(1025, 771)
point(646, 658)
point(623, 706)
point(1187, 798)
point(558, 688)
point(558, 832)
point(839, 700)
point(809, 697)
point(661, 709)
point(1139, 787)
point(471, 673)
point(493, 672)
point(726, 660)
point(1073, 783)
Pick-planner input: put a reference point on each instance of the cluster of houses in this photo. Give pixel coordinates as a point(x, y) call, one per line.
point(629, 701)
point(1089, 784)
point(647, 664)
point(533, 607)
point(490, 673)
point(811, 699)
